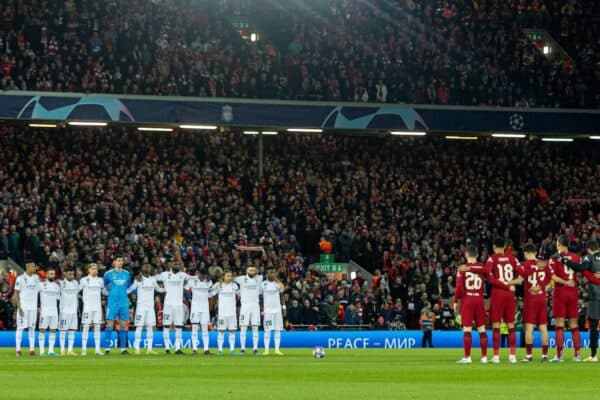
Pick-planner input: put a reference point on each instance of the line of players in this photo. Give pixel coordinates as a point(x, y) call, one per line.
point(503, 272)
point(59, 306)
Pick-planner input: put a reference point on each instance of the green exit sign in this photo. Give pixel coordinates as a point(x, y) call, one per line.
point(330, 267)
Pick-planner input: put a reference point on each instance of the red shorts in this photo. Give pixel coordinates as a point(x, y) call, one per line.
point(503, 306)
point(564, 304)
point(534, 310)
point(472, 309)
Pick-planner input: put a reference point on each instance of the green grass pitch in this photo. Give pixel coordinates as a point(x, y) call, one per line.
point(342, 374)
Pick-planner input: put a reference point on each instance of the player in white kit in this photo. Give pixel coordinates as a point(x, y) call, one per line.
point(92, 287)
point(273, 320)
point(145, 314)
point(49, 294)
point(174, 281)
point(249, 307)
point(26, 300)
point(226, 290)
point(67, 321)
point(200, 314)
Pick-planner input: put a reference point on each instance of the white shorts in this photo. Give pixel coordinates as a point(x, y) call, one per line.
point(67, 322)
point(273, 322)
point(145, 318)
point(173, 315)
point(250, 315)
point(227, 323)
point(197, 317)
point(48, 322)
point(28, 320)
point(91, 318)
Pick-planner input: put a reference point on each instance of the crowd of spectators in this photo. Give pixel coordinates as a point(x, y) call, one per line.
point(456, 52)
point(403, 209)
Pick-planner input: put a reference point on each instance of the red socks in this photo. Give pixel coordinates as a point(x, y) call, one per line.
point(529, 348)
point(483, 342)
point(544, 350)
point(512, 341)
point(576, 340)
point(560, 340)
point(467, 342)
point(496, 341)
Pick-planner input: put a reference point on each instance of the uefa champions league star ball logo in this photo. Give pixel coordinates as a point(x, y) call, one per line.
point(227, 114)
point(516, 122)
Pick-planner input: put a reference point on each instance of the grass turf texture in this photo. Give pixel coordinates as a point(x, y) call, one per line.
point(342, 374)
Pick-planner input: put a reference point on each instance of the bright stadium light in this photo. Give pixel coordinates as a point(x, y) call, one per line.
point(87, 123)
point(407, 133)
point(250, 132)
point(461, 137)
point(41, 125)
point(546, 139)
point(153, 129)
point(305, 130)
point(509, 135)
point(547, 50)
point(270, 132)
point(253, 37)
point(595, 137)
point(199, 127)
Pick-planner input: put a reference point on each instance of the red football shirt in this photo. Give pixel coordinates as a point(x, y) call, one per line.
point(562, 271)
point(502, 269)
point(470, 284)
point(534, 276)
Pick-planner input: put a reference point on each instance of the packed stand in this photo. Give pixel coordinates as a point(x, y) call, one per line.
point(453, 52)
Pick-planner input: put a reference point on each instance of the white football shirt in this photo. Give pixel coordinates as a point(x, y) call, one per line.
point(145, 293)
point(49, 294)
point(28, 288)
point(200, 294)
point(68, 296)
point(249, 289)
point(174, 283)
point(271, 297)
point(92, 292)
point(227, 300)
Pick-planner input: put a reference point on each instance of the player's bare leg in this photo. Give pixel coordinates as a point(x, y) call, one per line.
point(573, 324)
point(560, 339)
point(467, 343)
point(544, 331)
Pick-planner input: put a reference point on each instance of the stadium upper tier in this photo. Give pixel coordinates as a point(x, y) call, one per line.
point(456, 52)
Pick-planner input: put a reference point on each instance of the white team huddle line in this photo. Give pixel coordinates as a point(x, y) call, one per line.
point(63, 296)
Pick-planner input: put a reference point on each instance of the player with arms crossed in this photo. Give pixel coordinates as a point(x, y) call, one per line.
point(502, 270)
point(249, 307)
point(271, 290)
point(535, 312)
point(92, 287)
point(565, 299)
point(590, 267)
point(174, 281)
point(226, 290)
point(67, 321)
point(49, 293)
point(145, 314)
point(117, 282)
point(27, 287)
point(200, 314)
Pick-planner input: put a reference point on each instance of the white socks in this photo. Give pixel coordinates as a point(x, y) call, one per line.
point(42, 340)
point(97, 337)
point(62, 336)
point(18, 339)
point(195, 337)
point(267, 339)
point(71, 340)
point(149, 337)
point(178, 338)
point(277, 340)
point(84, 337)
point(220, 340)
point(232, 341)
point(138, 337)
point(31, 332)
point(205, 338)
point(243, 330)
point(255, 337)
point(51, 341)
point(167, 338)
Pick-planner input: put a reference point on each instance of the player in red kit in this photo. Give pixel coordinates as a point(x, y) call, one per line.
point(537, 277)
point(502, 268)
point(469, 291)
point(564, 301)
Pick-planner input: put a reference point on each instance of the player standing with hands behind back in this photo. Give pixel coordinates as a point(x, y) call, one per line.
point(117, 281)
point(226, 290)
point(250, 307)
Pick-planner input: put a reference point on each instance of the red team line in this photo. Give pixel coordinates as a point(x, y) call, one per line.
point(503, 272)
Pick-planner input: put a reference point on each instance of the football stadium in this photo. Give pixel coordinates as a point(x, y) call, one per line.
point(299, 199)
